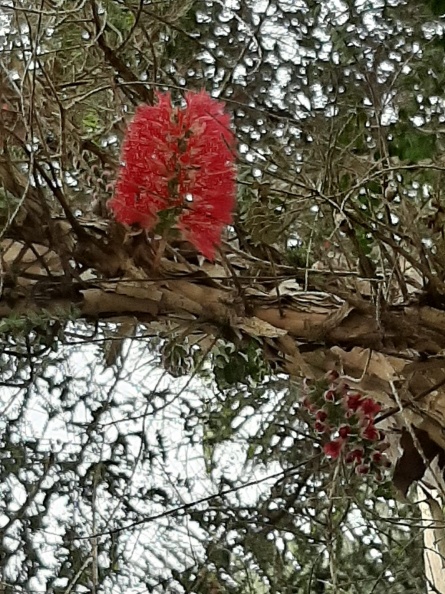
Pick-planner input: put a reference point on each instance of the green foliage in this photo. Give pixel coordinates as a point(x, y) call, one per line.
point(120, 20)
point(40, 328)
point(8, 207)
point(437, 7)
point(90, 121)
point(297, 256)
point(414, 145)
point(233, 367)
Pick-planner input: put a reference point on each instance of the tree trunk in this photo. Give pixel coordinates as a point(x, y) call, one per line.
point(431, 508)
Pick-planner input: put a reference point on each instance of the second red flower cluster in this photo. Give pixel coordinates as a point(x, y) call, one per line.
point(347, 418)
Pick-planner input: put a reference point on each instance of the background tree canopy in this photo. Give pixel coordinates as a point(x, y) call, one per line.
point(152, 427)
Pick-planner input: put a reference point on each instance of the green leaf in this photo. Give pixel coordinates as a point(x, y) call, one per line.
point(90, 121)
point(437, 7)
point(414, 146)
point(364, 241)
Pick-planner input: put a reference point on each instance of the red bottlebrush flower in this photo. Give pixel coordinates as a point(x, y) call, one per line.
point(353, 401)
point(344, 431)
point(370, 407)
point(333, 448)
point(370, 432)
point(321, 415)
point(179, 161)
point(354, 456)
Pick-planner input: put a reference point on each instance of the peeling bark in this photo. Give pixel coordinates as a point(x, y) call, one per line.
point(110, 276)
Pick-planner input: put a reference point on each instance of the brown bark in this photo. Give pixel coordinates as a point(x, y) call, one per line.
point(304, 333)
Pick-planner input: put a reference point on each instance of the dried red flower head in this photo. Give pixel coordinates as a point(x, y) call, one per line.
point(307, 384)
point(321, 415)
point(370, 432)
point(362, 469)
point(309, 405)
point(179, 162)
point(332, 375)
point(333, 448)
point(342, 388)
point(353, 401)
point(354, 456)
point(369, 407)
point(321, 427)
point(344, 431)
point(381, 460)
point(378, 458)
point(330, 396)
